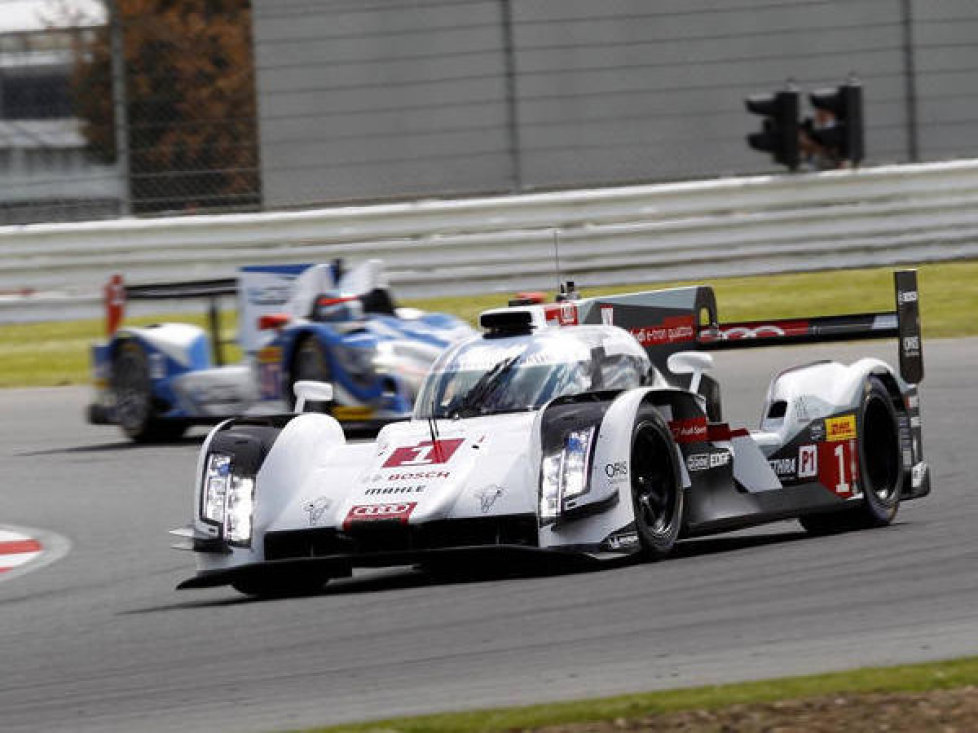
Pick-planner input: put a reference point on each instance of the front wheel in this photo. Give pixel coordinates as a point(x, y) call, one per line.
point(657, 494)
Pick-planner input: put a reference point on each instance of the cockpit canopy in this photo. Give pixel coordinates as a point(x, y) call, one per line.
point(486, 376)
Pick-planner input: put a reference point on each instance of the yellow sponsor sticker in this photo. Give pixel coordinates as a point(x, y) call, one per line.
point(270, 355)
point(350, 412)
point(840, 428)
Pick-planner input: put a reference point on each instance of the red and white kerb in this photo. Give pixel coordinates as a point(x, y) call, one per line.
point(17, 549)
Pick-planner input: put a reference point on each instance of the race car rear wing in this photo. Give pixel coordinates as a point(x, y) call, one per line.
point(116, 293)
point(685, 319)
point(902, 323)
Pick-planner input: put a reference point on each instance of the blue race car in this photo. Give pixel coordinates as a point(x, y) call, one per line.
point(296, 322)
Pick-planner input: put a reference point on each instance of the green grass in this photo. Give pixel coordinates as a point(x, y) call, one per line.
point(910, 678)
point(56, 353)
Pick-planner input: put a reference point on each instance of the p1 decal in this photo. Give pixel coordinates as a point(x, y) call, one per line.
point(807, 461)
point(838, 468)
point(375, 512)
point(840, 428)
point(690, 430)
point(425, 453)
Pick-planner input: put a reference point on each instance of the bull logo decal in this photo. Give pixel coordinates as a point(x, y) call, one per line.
point(315, 509)
point(487, 497)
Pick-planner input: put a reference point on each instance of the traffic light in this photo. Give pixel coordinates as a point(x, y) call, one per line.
point(842, 133)
point(779, 134)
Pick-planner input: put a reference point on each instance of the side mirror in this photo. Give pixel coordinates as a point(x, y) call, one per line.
point(690, 362)
point(307, 390)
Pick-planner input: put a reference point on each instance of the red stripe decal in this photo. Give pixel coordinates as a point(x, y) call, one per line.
point(723, 431)
point(17, 546)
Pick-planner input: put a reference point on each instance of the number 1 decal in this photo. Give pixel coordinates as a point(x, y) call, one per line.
point(843, 487)
point(838, 470)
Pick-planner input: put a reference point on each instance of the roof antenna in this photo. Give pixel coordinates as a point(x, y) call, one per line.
point(560, 285)
point(557, 257)
point(433, 429)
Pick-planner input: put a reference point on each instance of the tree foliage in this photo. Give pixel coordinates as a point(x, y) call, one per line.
point(190, 103)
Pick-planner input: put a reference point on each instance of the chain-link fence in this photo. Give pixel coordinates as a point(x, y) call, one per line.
point(176, 78)
point(152, 107)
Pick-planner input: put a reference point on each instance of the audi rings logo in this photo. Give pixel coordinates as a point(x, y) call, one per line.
point(742, 332)
point(399, 511)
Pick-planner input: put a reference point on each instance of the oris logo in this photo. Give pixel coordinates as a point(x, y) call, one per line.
point(618, 469)
point(371, 512)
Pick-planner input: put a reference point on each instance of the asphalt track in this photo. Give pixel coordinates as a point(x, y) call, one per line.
point(100, 641)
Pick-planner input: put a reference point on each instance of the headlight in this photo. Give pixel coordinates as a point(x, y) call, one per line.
point(228, 499)
point(216, 481)
point(564, 474)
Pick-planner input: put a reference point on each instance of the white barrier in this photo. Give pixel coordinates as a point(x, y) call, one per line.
point(695, 230)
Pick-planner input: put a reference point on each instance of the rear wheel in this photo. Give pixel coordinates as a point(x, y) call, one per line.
point(310, 362)
point(879, 456)
point(657, 494)
point(880, 466)
point(132, 389)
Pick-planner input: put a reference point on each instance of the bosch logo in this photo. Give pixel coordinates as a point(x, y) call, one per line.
point(418, 475)
point(616, 469)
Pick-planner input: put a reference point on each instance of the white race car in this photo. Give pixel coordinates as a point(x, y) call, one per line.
point(588, 427)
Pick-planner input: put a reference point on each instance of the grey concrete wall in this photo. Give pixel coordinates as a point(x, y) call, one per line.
point(380, 98)
point(389, 98)
point(946, 60)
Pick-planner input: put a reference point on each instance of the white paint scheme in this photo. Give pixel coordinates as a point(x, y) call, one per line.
point(261, 292)
point(614, 442)
point(690, 362)
point(313, 436)
point(814, 391)
point(307, 390)
point(750, 466)
point(172, 339)
point(219, 391)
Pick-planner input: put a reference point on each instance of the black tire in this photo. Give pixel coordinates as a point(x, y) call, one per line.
point(285, 585)
point(310, 361)
point(132, 390)
point(657, 494)
point(880, 462)
point(880, 468)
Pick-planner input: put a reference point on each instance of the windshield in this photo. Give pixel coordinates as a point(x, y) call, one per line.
point(520, 373)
